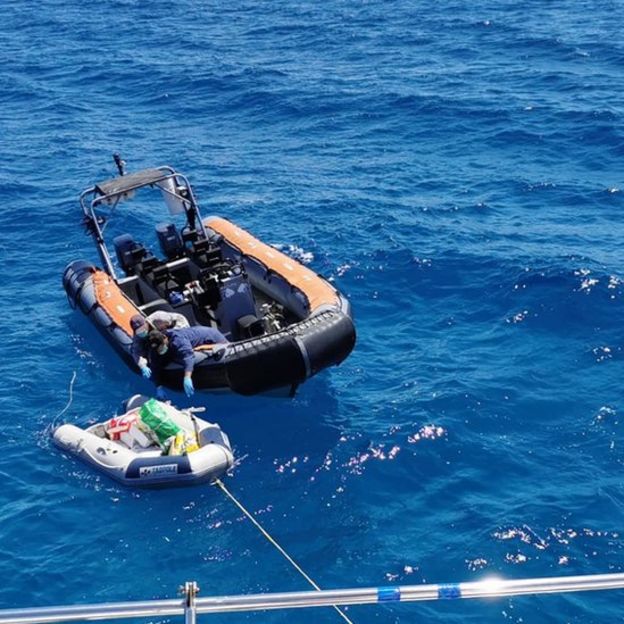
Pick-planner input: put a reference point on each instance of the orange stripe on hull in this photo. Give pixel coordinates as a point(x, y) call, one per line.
point(317, 290)
point(113, 301)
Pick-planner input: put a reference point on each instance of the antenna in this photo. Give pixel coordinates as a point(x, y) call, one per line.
point(120, 163)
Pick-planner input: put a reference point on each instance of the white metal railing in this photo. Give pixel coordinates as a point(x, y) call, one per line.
point(190, 605)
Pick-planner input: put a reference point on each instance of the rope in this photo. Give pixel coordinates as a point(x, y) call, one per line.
point(279, 548)
point(71, 398)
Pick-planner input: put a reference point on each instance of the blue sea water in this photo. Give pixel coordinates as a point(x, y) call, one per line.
point(456, 169)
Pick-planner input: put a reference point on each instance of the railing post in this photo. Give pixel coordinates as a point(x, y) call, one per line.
point(191, 589)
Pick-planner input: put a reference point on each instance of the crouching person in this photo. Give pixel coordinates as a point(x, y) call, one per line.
point(176, 345)
point(141, 326)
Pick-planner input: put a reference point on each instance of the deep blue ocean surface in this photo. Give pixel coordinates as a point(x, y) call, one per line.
point(456, 169)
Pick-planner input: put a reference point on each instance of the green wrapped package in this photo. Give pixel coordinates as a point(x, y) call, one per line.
point(153, 414)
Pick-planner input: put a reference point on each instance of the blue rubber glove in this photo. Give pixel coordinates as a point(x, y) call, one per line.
point(161, 395)
point(188, 386)
point(146, 371)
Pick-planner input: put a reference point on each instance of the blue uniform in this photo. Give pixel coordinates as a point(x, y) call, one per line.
point(181, 345)
point(161, 321)
point(139, 348)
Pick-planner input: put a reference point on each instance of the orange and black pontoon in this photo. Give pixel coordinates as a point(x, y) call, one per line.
point(284, 322)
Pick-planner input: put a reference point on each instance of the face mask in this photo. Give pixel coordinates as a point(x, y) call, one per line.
point(162, 349)
point(142, 334)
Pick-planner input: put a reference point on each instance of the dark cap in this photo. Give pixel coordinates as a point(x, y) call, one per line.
point(155, 339)
point(137, 321)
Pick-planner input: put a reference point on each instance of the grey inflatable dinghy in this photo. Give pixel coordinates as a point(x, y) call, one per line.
point(136, 459)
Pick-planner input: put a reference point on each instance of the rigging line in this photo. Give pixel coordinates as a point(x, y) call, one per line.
point(279, 548)
point(71, 398)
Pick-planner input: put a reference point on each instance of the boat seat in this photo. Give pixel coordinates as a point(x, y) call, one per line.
point(180, 271)
point(189, 236)
point(205, 253)
point(162, 277)
point(131, 288)
point(170, 240)
point(138, 290)
point(149, 263)
point(137, 254)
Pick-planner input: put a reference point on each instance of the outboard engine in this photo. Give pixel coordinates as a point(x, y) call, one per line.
point(128, 251)
point(170, 240)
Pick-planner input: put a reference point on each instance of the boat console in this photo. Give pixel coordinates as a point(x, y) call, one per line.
point(193, 278)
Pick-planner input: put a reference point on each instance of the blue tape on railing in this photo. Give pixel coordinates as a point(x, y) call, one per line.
point(388, 594)
point(449, 592)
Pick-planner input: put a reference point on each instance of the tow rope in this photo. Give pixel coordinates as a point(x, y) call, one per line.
point(295, 565)
point(69, 402)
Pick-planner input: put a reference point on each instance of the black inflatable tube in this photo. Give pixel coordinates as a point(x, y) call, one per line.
point(250, 367)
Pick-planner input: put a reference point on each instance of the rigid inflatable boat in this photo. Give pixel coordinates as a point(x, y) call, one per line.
point(124, 452)
point(284, 322)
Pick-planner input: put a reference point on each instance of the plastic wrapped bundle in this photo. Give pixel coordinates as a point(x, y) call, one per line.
point(154, 415)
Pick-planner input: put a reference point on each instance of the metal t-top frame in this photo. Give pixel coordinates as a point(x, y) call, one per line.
point(111, 192)
point(190, 605)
